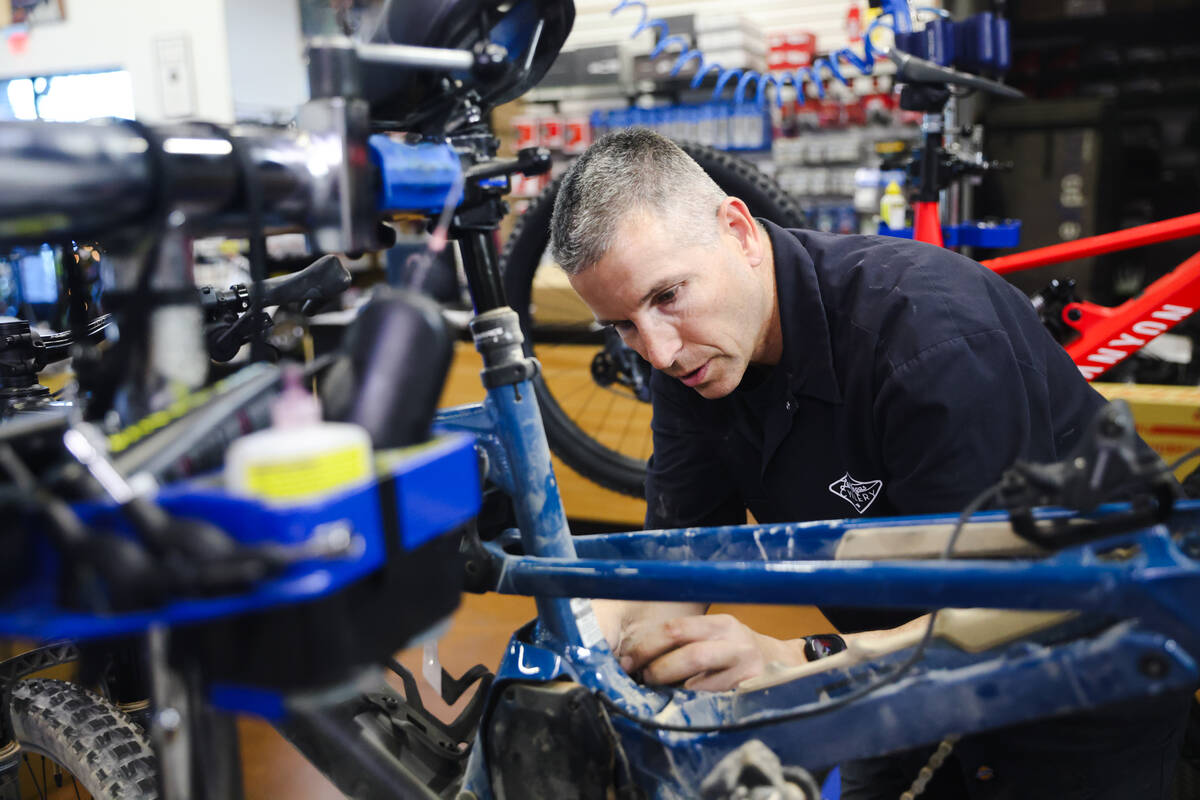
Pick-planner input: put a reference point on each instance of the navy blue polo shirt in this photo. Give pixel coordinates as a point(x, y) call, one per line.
point(911, 378)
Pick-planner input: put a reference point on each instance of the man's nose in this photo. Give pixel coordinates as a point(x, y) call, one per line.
point(660, 344)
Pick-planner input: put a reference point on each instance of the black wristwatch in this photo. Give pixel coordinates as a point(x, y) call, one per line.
point(826, 644)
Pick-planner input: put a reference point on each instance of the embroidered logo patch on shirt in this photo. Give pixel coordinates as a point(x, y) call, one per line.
point(859, 494)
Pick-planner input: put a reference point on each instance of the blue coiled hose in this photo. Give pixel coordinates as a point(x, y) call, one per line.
point(798, 78)
point(897, 10)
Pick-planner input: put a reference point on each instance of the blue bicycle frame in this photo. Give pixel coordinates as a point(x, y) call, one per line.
point(1136, 633)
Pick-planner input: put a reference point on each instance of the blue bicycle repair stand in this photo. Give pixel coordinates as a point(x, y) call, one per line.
point(434, 489)
point(969, 234)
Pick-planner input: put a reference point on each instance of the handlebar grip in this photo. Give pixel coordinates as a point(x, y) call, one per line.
point(324, 278)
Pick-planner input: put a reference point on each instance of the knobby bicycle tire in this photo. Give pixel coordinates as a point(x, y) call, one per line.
point(82, 732)
point(597, 461)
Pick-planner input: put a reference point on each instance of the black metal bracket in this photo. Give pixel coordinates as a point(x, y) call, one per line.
point(1109, 463)
point(412, 710)
point(586, 762)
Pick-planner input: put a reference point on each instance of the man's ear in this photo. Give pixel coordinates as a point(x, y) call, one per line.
point(735, 219)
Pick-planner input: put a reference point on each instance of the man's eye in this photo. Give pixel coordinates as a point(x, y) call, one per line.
point(666, 297)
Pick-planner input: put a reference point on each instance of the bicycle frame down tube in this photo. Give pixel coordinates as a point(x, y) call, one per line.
point(1110, 335)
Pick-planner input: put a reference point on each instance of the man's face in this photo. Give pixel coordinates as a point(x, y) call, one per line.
point(695, 311)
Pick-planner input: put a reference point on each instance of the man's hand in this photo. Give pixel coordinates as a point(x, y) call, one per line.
point(676, 643)
point(615, 616)
point(711, 653)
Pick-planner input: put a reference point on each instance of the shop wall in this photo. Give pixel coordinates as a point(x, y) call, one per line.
point(147, 38)
point(266, 59)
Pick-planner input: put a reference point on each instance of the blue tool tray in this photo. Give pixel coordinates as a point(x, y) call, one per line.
point(432, 489)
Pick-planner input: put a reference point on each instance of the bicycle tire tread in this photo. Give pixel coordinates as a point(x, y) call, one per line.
point(85, 734)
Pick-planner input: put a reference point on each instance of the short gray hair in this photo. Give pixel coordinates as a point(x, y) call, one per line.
point(633, 170)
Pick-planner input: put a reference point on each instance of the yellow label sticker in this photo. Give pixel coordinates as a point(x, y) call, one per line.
point(299, 478)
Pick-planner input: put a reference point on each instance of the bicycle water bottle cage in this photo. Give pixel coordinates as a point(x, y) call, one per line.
point(530, 33)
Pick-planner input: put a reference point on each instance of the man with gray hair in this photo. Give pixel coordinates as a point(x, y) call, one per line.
point(804, 376)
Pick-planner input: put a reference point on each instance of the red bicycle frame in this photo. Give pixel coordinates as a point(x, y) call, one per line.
point(1107, 336)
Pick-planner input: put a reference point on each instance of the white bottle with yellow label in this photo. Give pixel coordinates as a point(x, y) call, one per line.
point(300, 458)
point(893, 208)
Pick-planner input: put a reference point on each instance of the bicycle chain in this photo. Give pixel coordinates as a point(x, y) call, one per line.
point(931, 766)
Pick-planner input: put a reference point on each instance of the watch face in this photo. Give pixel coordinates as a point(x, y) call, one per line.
point(816, 647)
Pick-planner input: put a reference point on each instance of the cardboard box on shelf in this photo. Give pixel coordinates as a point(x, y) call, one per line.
point(1167, 417)
point(732, 39)
point(578, 134)
point(551, 132)
point(525, 131)
point(659, 69)
point(708, 23)
point(599, 65)
point(563, 72)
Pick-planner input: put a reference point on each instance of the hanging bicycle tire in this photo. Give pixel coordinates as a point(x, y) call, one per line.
point(64, 727)
point(595, 419)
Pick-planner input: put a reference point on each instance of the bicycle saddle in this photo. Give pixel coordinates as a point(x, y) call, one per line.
point(531, 31)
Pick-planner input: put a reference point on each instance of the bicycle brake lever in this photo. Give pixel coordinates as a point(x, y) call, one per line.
point(319, 281)
point(529, 161)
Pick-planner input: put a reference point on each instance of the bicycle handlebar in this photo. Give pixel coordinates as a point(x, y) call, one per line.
point(71, 178)
point(919, 70)
point(86, 179)
point(82, 180)
point(57, 346)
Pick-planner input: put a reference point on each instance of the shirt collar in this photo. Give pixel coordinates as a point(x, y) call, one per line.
point(807, 352)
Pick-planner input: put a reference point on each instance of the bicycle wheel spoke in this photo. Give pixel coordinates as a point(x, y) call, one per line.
point(579, 414)
point(563, 373)
point(33, 777)
point(586, 384)
point(625, 432)
point(602, 422)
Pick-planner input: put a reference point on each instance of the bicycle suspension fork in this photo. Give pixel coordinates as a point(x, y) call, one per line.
point(507, 374)
point(513, 410)
point(196, 745)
